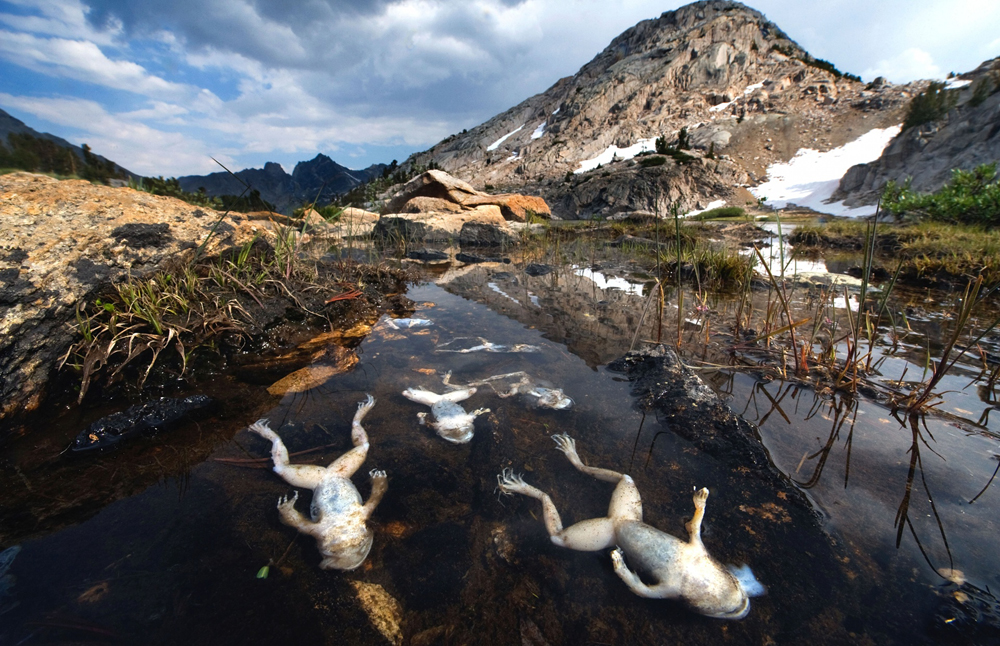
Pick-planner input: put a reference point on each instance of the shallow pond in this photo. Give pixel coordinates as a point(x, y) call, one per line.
point(870, 537)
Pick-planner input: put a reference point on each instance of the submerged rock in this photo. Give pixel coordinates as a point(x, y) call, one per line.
point(142, 418)
point(334, 361)
point(383, 610)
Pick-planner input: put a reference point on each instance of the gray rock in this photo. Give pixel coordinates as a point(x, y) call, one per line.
point(966, 137)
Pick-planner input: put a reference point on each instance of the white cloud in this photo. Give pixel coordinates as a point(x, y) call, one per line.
point(64, 18)
point(914, 63)
point(83, 60)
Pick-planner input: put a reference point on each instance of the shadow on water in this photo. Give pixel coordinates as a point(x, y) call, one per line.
point(864, 527)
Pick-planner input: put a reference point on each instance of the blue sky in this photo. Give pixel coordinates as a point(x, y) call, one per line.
point(162, 86)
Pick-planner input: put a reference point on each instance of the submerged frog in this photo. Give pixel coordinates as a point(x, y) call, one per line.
point(337, 516)
point(682, 570)
point(451, 422)
point(544, 397)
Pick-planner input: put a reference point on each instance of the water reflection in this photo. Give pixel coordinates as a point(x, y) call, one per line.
point(869, 483)
point(173, 545)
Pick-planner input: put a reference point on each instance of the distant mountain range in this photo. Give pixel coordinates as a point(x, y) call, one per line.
point(319, 179)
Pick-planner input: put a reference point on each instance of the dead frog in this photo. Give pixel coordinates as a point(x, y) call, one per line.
point(451, 422)
point(337, 516)
point(543, 397)
point(682, 570)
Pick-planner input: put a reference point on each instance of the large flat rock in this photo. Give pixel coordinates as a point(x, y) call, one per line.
point(63, 240)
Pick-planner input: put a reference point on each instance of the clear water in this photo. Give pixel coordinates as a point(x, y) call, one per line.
point(161, 542)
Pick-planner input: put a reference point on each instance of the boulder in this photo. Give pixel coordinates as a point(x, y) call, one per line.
point(353, 223)
point(439, 226)
point(433, 183)
point(421, 204)
point(438, 192)
point(63, 240)
point(479, 234)
point(512, 205)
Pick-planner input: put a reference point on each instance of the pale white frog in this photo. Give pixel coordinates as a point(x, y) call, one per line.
point(451, 422)
point(337, 515)
point(682, 570)
point(543, 397)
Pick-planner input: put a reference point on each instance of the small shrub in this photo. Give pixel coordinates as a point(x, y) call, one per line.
point(971, 197)
point(655, 160)
point(721, 212)
point(981, 91)
point(930, 105)
point(683, 142)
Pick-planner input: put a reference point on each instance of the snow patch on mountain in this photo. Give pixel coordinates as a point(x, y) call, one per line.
point(810, 177)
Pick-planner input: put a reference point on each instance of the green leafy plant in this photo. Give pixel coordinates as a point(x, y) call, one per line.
point(970, 197)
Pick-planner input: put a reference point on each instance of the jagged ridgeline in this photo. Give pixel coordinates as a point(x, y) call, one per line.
point(319, 180)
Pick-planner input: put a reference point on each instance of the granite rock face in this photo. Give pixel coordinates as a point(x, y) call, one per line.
point(967, 136)
point(62, 241)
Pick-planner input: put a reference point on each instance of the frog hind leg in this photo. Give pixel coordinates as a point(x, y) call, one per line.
point(346, 465)
point(586, 536)
point(307, 476)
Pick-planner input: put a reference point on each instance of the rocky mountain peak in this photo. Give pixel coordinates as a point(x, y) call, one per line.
point(746, 93)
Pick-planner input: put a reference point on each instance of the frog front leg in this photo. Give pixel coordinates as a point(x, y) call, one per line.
point(293, 518)
point(693, 526)
point(635, 584)
point(380, 484)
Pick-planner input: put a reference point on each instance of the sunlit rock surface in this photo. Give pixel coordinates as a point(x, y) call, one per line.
point(62, 240)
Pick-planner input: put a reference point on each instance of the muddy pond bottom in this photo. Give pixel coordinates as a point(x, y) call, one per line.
point(202, 558)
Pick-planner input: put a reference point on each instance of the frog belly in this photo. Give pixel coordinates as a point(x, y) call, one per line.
point(648, 549)
point(334, 496)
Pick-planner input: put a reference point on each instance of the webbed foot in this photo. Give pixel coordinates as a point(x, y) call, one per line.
point(480, 411)
point(377, 474)
point(367, 404)
point(262, 427)
point(700, 497)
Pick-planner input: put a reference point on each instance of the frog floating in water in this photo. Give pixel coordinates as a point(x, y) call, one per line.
point(451, 422)
point(682, 570)
point(337, 516)
point(544, 397)
point(455, 345)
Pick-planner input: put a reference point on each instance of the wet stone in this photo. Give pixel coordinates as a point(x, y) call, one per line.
point(537, 269)
point(427, 254)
